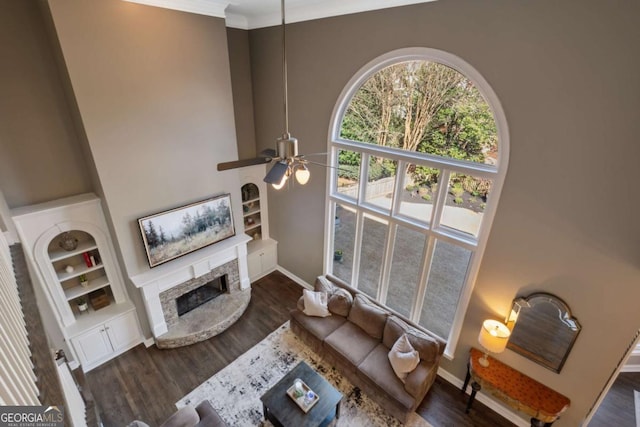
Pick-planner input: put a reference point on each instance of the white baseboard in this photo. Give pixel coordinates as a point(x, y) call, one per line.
point(148, 342)
point(293, 277)
point(630, 368)
point(486, 400)
point(263, 274)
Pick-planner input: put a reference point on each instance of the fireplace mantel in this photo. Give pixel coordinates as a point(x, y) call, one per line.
point(154, 281)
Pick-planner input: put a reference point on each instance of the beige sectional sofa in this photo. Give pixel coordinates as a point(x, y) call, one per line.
point(357, 337)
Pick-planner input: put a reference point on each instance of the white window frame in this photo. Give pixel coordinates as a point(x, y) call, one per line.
point(496, 173)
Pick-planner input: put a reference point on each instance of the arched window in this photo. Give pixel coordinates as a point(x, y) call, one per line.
point(419, 147)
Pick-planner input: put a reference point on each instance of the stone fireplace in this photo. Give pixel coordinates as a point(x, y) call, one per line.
point(221, 268)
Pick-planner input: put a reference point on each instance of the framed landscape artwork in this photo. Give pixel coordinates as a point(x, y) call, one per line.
point(170, 234)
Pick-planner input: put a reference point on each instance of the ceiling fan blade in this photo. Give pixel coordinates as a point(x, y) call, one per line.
point(326, 166)
point(274, 176)
point(305, 161)
point(242, 163)
point(313, 154)
point(269, 152)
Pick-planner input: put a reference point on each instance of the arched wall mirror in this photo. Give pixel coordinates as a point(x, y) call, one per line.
point(542, 329)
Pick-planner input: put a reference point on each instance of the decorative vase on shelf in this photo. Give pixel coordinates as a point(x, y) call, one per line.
point(83, 281)
point(68, 242)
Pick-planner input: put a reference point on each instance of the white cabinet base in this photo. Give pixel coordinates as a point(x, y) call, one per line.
point(262, 258)
point(92, 346)
point(107, 340)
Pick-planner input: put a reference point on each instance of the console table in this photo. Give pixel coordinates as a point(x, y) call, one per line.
point(520, 392)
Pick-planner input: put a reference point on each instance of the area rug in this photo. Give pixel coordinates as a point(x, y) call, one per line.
point(636, 399)
point(235, 391)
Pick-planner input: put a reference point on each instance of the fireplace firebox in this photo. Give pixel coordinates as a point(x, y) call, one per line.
point(202, 294)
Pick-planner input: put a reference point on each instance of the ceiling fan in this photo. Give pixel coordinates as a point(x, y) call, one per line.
point(287, 160)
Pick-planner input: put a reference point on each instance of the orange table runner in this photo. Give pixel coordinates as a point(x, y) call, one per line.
point(517, 390)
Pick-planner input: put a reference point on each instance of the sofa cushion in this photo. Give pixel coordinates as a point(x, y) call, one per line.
point(377, 371)
point(315, 303)
point(350, 344)
point(208, 416)
point(427, 347)
point(319, 327)
point(370, 317)
point(403, 357)
point(187, 416)
point(339, 303)
point(322, 284)
point(340, 300)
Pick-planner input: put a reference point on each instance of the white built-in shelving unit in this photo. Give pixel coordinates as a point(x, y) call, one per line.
point(262, 250)
point(109, 326)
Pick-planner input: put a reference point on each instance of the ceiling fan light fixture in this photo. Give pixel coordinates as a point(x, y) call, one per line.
point(302, 174)
point(285, 157)
point(277, 172)
point(281, 184)
point(287, 146)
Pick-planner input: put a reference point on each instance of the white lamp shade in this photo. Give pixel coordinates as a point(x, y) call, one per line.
point(302, 175)
point(494, 336)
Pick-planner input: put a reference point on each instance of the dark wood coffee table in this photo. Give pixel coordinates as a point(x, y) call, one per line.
point(281, 410)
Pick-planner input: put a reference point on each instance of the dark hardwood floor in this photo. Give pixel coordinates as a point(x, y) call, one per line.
point(145, 383)
point(618, 408)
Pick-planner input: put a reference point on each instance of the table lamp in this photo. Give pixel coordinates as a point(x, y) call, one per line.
point(493, 338)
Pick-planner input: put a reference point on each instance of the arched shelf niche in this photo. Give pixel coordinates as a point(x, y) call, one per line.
point(63, 269)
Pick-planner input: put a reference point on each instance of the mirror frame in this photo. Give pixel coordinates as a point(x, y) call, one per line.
point(566, 317)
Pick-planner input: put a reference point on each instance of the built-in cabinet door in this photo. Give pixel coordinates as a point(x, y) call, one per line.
point(269, 258)
point(92, 346)
point(254, 265)
point(123, 331)
point(262, 258)
point(107, 340)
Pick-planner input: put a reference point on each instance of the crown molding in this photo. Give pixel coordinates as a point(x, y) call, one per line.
point(298, 12)
point(236, 20)
point(201, 7)
point(249, 16)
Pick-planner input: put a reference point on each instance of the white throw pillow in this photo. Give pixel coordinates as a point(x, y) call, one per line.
point(315, 303)
point(403, 357)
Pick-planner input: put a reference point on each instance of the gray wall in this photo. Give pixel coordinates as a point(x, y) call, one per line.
point(566, 74)
point(153, 89)
point(240, 65)
point(40, 154)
